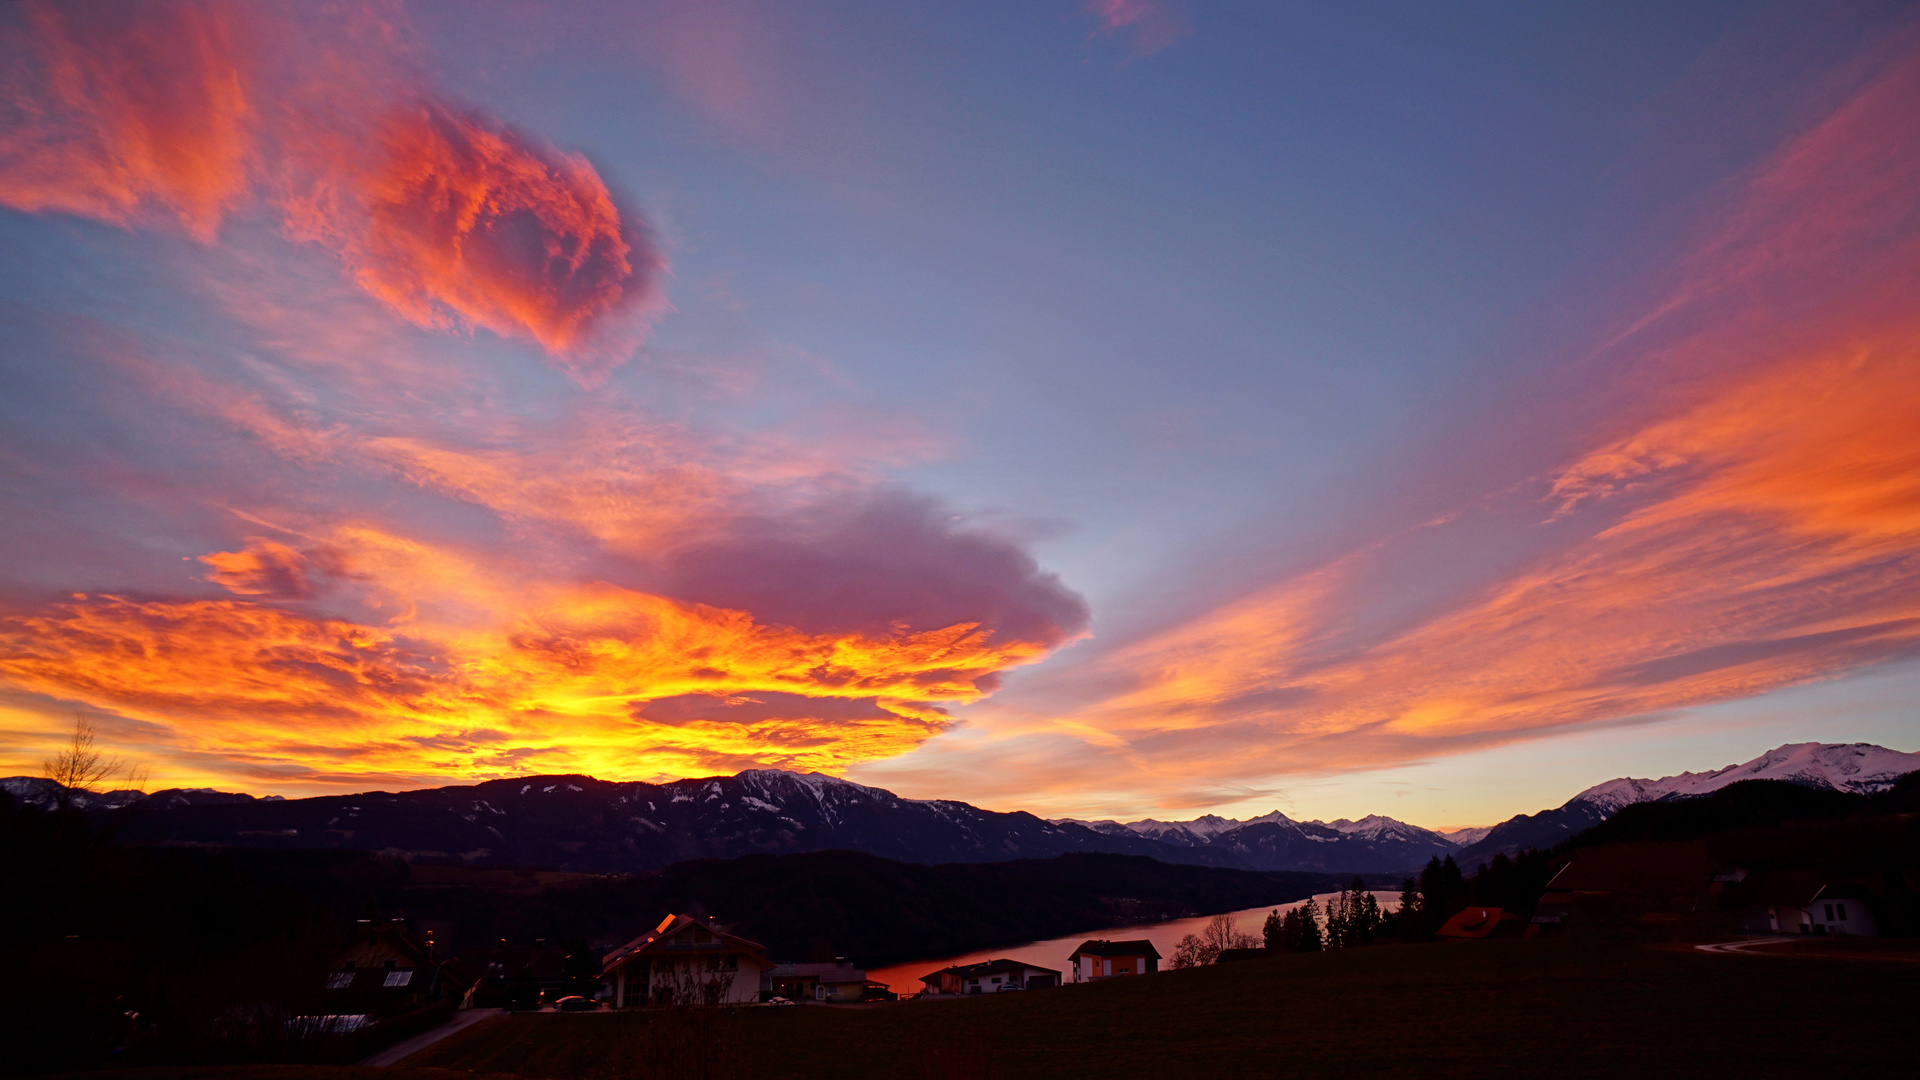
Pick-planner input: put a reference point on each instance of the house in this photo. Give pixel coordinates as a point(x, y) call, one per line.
point(1095, 960)
point(1480, 923)
point(1841, 909)
point(837, 982)
point(1797, 902)
point(989, 977)
point(383, 970)
point(686, 960)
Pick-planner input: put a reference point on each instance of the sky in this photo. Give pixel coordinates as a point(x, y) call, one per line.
point(1104, 409)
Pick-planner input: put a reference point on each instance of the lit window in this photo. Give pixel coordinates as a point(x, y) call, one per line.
point(340, 980)
point(399, 978)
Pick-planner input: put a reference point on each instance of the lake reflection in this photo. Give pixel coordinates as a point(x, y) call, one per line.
point(904, 979)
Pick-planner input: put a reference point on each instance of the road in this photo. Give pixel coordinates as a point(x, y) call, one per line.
point(1810, 948)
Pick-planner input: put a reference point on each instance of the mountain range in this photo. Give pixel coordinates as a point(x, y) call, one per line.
point(583, 824)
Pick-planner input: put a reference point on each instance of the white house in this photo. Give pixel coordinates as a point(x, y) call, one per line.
point(1840, 910)
point(990, 977)
point(686, 960)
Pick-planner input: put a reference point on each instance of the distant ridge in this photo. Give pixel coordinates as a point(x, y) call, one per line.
point(580, 823)
point(1275, 841)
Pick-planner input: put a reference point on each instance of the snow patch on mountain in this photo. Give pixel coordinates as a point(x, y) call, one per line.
point(1855, 768)
point(1463, 837)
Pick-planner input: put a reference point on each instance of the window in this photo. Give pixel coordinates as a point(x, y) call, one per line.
point(1842, 909)
point(1829, 912)
point(399, 978)
point(340, 980)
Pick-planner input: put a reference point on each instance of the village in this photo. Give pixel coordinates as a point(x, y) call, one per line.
point(684, 961)
point(390, 984)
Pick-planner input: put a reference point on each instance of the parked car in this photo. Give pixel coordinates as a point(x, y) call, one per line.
point(575, 1003)
point(1009, 987)
point(780, 1001)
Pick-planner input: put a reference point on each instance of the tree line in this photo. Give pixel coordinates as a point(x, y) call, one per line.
point(1353, 917)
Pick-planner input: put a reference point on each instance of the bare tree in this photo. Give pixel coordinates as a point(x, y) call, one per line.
point(1220, 933)
point(81, 765)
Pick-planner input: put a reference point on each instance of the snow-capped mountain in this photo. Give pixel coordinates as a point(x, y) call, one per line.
point(1274, 841)
point(37, 791)
point(1855, 768)
point(581, 823)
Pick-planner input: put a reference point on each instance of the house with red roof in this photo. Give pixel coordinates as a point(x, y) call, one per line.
point(1096, 960)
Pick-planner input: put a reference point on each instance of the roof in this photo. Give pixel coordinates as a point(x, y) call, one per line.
point(675, 936)
point(845, 973)
point(1633, 867)
point(362, 965)
point(990, 967)
point(1475, 922)
point(1137, 947)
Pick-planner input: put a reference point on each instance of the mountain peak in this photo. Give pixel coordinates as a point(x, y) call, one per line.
point(1858, 768)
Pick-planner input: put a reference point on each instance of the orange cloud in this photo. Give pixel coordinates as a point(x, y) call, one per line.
point(561, 673)
point(117, 112)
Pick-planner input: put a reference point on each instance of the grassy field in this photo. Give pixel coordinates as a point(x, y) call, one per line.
point(1505, 1008)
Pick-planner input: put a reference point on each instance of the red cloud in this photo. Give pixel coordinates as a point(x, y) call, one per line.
point(443, 214)
point(447, 217)
point(111, 112)
point(1153, 24)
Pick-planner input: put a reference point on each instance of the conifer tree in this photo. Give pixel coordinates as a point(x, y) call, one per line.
point(1408, 916)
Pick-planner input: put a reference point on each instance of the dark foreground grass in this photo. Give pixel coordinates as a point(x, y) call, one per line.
point(1512, 1008)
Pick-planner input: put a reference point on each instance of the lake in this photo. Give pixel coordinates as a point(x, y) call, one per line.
point(904, 979)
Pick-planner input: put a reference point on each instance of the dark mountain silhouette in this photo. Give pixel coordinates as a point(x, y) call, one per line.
point(579, 823)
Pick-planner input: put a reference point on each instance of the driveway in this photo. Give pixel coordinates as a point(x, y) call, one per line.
point(461, 1021)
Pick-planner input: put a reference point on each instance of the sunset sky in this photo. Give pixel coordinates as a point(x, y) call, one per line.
point(1105, 409)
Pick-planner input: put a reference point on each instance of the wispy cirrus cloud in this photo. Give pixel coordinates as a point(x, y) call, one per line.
point(1750, 521)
